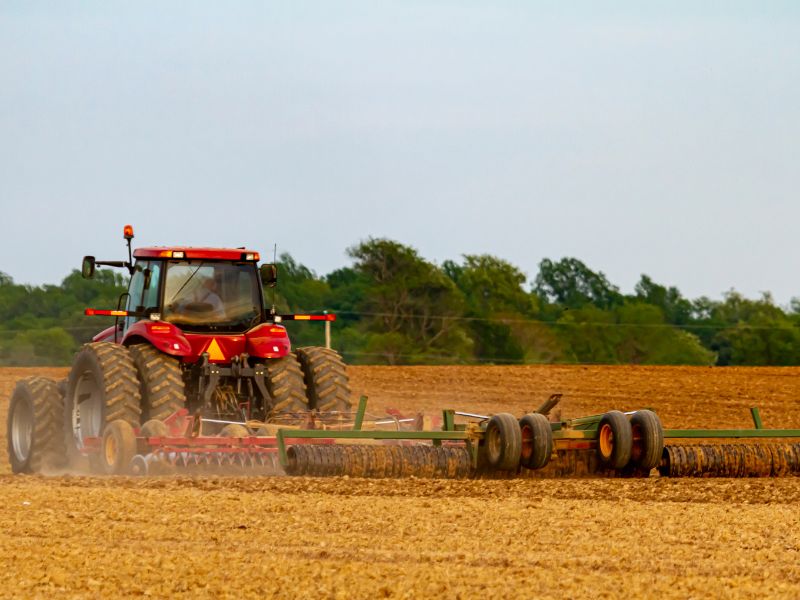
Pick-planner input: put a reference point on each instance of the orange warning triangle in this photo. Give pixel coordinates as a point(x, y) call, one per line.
point(214, 351)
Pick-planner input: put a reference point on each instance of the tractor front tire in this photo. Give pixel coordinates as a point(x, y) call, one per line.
point(35, 431)
point(285, 385)
point(327, 384)
point(162, 386)
point(102, 387)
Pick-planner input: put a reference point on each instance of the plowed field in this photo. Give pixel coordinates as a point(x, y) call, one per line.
point(342, 538)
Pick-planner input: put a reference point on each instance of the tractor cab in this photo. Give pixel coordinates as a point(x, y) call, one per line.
point(198, 290)
point(189, 301)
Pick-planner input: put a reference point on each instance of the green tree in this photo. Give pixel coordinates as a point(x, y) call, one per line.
point(677, 309)
point(572, 284)
point(634, 333)
point(500, 311)
point(414, 301)
point(753, 332)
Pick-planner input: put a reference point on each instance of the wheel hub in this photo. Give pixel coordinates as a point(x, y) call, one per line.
point(605, 439)
point(86, 409)
point(22, 431)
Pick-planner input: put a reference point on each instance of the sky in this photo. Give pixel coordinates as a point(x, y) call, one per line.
point(657, 138)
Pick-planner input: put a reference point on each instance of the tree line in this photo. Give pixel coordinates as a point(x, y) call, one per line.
point(395, 307)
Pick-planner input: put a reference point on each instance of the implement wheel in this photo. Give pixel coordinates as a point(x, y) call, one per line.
point(118, 448)
point(503, 442)
point(285, 384)
point(153, 429)
point(327, 384)
point(614, 440)
point(234, 430)
point(102, 387)
point(648, 439)
point(537, 441)
point(161, 380)
point(35, 431)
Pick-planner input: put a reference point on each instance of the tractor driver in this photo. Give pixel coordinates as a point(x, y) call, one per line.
point(206, 293)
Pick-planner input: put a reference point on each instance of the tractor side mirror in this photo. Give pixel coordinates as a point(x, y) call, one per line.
point(87, 267)
point(269, 275)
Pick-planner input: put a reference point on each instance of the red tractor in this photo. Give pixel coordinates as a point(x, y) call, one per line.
point(192, 332)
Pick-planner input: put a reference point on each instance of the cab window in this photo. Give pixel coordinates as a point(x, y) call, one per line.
point(143, 289)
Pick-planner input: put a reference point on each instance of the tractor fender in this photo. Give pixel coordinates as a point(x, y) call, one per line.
point(163, 336)
point(107, 335)
point(268, 341)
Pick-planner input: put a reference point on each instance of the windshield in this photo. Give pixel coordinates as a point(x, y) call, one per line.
point(220, 296)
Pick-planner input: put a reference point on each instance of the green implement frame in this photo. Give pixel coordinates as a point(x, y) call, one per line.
point(566, 432)
point(586, 428)
point(757, 432)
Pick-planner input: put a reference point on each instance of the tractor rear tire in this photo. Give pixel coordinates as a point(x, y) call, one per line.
point(327, 384)
point(648, 440)
point(162, 386)
point(285, 384)
point(102, 387)
point(154, 429)
point(503, 442)
point(537, 441)
point(614, 440)
point(35, 431)
point(117, 449)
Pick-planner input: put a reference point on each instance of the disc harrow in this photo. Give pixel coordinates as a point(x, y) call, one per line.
point(467, 445)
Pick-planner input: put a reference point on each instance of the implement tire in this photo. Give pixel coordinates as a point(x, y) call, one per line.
point(648, 439)
point(118, 448)
point(285, 384)
point(614, 440)
point(325, 374)
point(234, 430)
point(35, 429)
point(537, 441)
point(102, 387)
point(503, 442)
point(161, 380)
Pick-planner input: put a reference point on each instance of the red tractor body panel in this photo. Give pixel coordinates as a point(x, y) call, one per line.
point(107, 335)
point(268, 341)
point(161, 335)
point(233, 254)
point(264, 341)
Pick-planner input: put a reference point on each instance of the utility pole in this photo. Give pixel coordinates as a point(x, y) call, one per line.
point(327, 333)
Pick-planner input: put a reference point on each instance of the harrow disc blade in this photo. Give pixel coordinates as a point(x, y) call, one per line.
point(731, 460)
point(380, 461)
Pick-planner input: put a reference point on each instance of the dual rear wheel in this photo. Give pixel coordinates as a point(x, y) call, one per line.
point(313, 378)
point(103, 387)
point(637, 442)
point(510, 443)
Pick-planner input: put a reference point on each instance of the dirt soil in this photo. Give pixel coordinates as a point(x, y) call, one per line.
point(344, 538)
